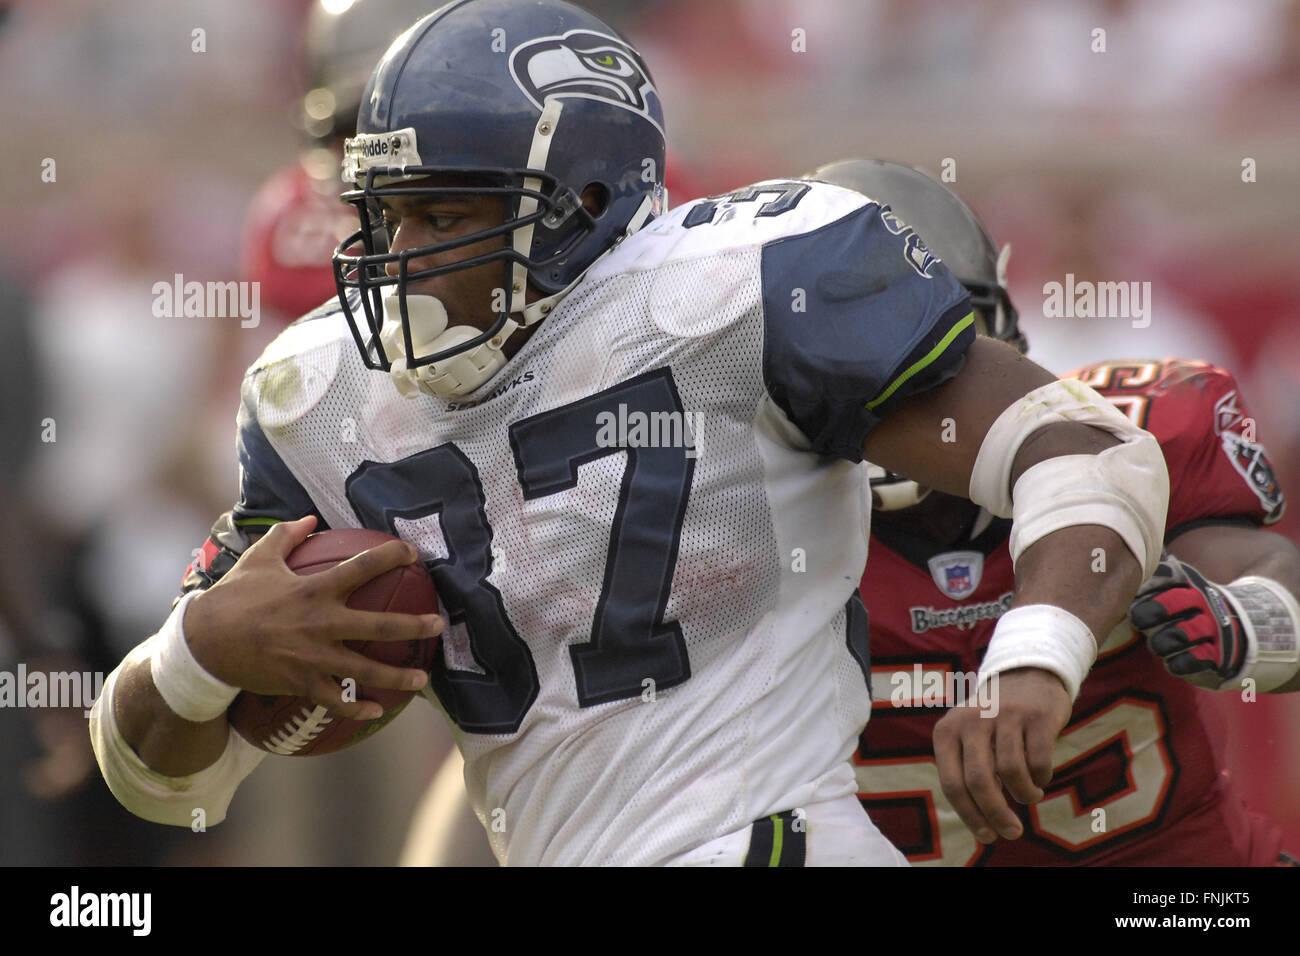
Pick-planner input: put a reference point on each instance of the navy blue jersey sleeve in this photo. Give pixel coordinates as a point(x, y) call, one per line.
point(268, 491)
point(858, 316)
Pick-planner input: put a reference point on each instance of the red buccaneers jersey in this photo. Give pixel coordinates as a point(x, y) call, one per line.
point(1139, 774)
point(293, 226)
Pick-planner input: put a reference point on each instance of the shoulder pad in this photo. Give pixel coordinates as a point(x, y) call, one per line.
point(743, 219)
point(297, 368)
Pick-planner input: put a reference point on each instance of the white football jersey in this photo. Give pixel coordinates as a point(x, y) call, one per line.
point(648, 529)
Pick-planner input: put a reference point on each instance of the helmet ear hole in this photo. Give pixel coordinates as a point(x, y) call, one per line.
point(595, 199)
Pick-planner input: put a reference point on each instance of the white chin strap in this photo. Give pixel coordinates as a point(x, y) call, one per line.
point(461, 374)
point(894, 495)
point(457, 375)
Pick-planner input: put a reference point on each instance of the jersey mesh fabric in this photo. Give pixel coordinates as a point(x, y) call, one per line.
point(770, 712)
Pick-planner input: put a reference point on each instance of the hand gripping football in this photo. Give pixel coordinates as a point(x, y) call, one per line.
point(296, 726)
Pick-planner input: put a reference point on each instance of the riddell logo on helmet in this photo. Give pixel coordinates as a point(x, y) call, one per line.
point(397, 148)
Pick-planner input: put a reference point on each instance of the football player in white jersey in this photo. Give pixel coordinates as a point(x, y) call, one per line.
point(628, 446)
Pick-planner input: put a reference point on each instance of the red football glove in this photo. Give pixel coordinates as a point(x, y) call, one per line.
point(1190, 623)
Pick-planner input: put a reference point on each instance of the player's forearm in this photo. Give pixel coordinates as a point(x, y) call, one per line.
point(1224, 553)
point(1280, 564)
point(1086, 570)
point(165, 742)
point(184, 784)
point(169, 755)
point(1070, 461)
point(167, 708)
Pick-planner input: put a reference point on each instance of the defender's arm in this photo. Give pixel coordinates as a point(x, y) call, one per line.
point(1088, 492)
point(1218, 635)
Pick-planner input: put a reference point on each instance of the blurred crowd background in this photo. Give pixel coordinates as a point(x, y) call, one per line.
point(1171, 157)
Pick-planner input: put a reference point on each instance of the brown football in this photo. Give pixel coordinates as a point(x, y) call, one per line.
point(296, 726)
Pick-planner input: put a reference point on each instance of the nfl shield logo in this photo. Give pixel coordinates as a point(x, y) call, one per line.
point(957, 573)
point(958, 578)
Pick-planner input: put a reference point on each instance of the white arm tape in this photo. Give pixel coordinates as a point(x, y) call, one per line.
point(152, 795)
point(1125, 487)
point(1043, 636)
point(1270, 616)
point(189, 690)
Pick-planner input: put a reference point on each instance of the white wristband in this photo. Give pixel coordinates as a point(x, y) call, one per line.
point(1270, 616)
point(189, 690)
point(1043, 636)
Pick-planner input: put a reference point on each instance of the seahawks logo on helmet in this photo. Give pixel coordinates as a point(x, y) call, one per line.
point(587, 65)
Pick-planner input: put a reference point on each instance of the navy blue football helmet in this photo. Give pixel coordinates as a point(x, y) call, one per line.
point(532, 101)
